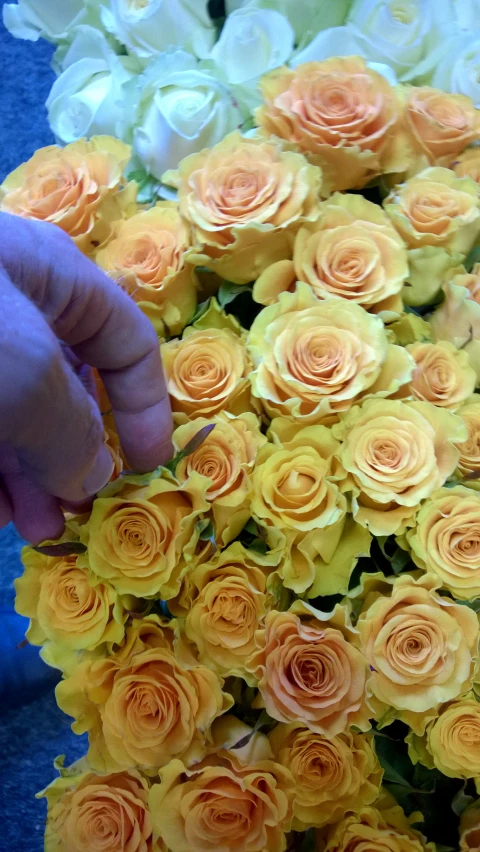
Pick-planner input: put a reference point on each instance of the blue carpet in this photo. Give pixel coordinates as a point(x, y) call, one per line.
point(32, 736)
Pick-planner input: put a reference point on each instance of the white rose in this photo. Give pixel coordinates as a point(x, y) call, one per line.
point(339, 41)
point(306, 17)
point(181, 109)
point(467, 14)
point(86, 99)
point(252, 42)
point(30, 19)
point(149, 27)
point(458, 69)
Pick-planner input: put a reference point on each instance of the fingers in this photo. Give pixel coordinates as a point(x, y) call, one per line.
point(35, 513)
point(103, 327)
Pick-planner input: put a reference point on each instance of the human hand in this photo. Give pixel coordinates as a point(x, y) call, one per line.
point(51, 433)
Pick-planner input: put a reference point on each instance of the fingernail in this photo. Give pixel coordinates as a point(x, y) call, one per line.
point(100, 473)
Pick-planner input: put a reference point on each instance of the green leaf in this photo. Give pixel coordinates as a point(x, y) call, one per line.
point(475, 604)
point(63, 548)
point(400, 560)
point(396, 765)
point(263, 720)
point(228, 292)
point(206, 531)
point(461, 801)
point(202, 309)
point(190, 448)
point(472, 258)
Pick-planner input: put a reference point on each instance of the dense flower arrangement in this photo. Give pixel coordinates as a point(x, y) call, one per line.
point(170, 77)
point(272, 637)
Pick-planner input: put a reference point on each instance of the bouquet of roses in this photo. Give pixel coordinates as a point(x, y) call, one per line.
point(272, 641)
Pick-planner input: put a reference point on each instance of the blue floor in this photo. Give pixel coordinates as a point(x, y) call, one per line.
point(31, 737)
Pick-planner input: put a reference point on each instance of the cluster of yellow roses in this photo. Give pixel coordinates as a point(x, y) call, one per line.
point(339, 417)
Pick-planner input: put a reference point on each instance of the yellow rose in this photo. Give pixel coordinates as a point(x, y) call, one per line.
point(451, 742)
point(352, 252)
point(441, 125)
point(443, 375)
point(224, 804)
point(140, 706)
point(308, 671)
point(340, 114)
point(394, 455)
point(314, 359)
point(229, 600)
point(332, 776)
point(457, 319)
point(99, 813)
point(469, 461)
point(147, 255)
point(226, 458)
point(470, 828)
point(66, 609)
point(468, 164)
point(79, 188)
point(142, 538)
point(374, 830)
point(244, 199)
point(446, 540)
point(419, 646)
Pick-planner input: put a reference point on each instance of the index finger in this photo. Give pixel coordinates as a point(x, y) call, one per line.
point(104, 328)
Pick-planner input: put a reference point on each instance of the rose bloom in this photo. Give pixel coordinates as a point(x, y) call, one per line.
point(446, 540)
point(244, 199)
point(308, 671)
point(373, 830)
point(469, 461)
point(140, 706)
point(352, 252)
point(457, 319)
point(340, 114)
point(207, 372)
point(468, 164)
point(442, 375)
point(226, 457)
point(223, 803)
point(436, 208)
point(228, 606)
point(147, 257)
point(470, 828)
point(79, 188)
point(452, 741)
point(314, 358)
point(141, 538)
point(65, 607)
point(101, 813)
point(441, 125)
point(419, 646)
point(394, 455)
point(332, 776)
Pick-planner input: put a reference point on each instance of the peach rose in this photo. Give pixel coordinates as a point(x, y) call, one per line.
point(147, 256)
point(446, 540)
point(419, 646)
point(441, 125)
point(308, 671)
point(67, 611)
point(340, 114)
point(470, 828)
point(228, 605)
point(451, 742)
point(223, 803)
point(332, 776)
point(352, 252)
point(314, 359)
point(244, 199)
point(457, 319)
point(442, 375)
point(79, 188)
point(468, 164)
point(469, 461)
point(141, 537)
point(374, 830)
point(394, 455)
point(140, 707)
point(99, 813)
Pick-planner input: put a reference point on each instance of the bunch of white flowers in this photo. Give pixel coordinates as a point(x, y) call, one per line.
point(174, 76)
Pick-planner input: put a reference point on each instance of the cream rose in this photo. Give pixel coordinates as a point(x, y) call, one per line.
point(452, 741)
point(469, 461)
point(457, 319)
point(443, 375)
point(441, 125)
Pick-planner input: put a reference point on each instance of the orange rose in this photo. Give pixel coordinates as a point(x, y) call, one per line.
point(340, 114)
point(308, 671)
point(374, 830)
point(140, 707)
point(223, 803)
point(79, 188)
point(332, 776)
point(470, 828)
point(99, 813)
point(468, 164)
point(451, 742)
point(441, 125)
point(244, 199)
point(442, 375)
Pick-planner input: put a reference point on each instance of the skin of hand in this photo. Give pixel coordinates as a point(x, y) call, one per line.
point(57, 311)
